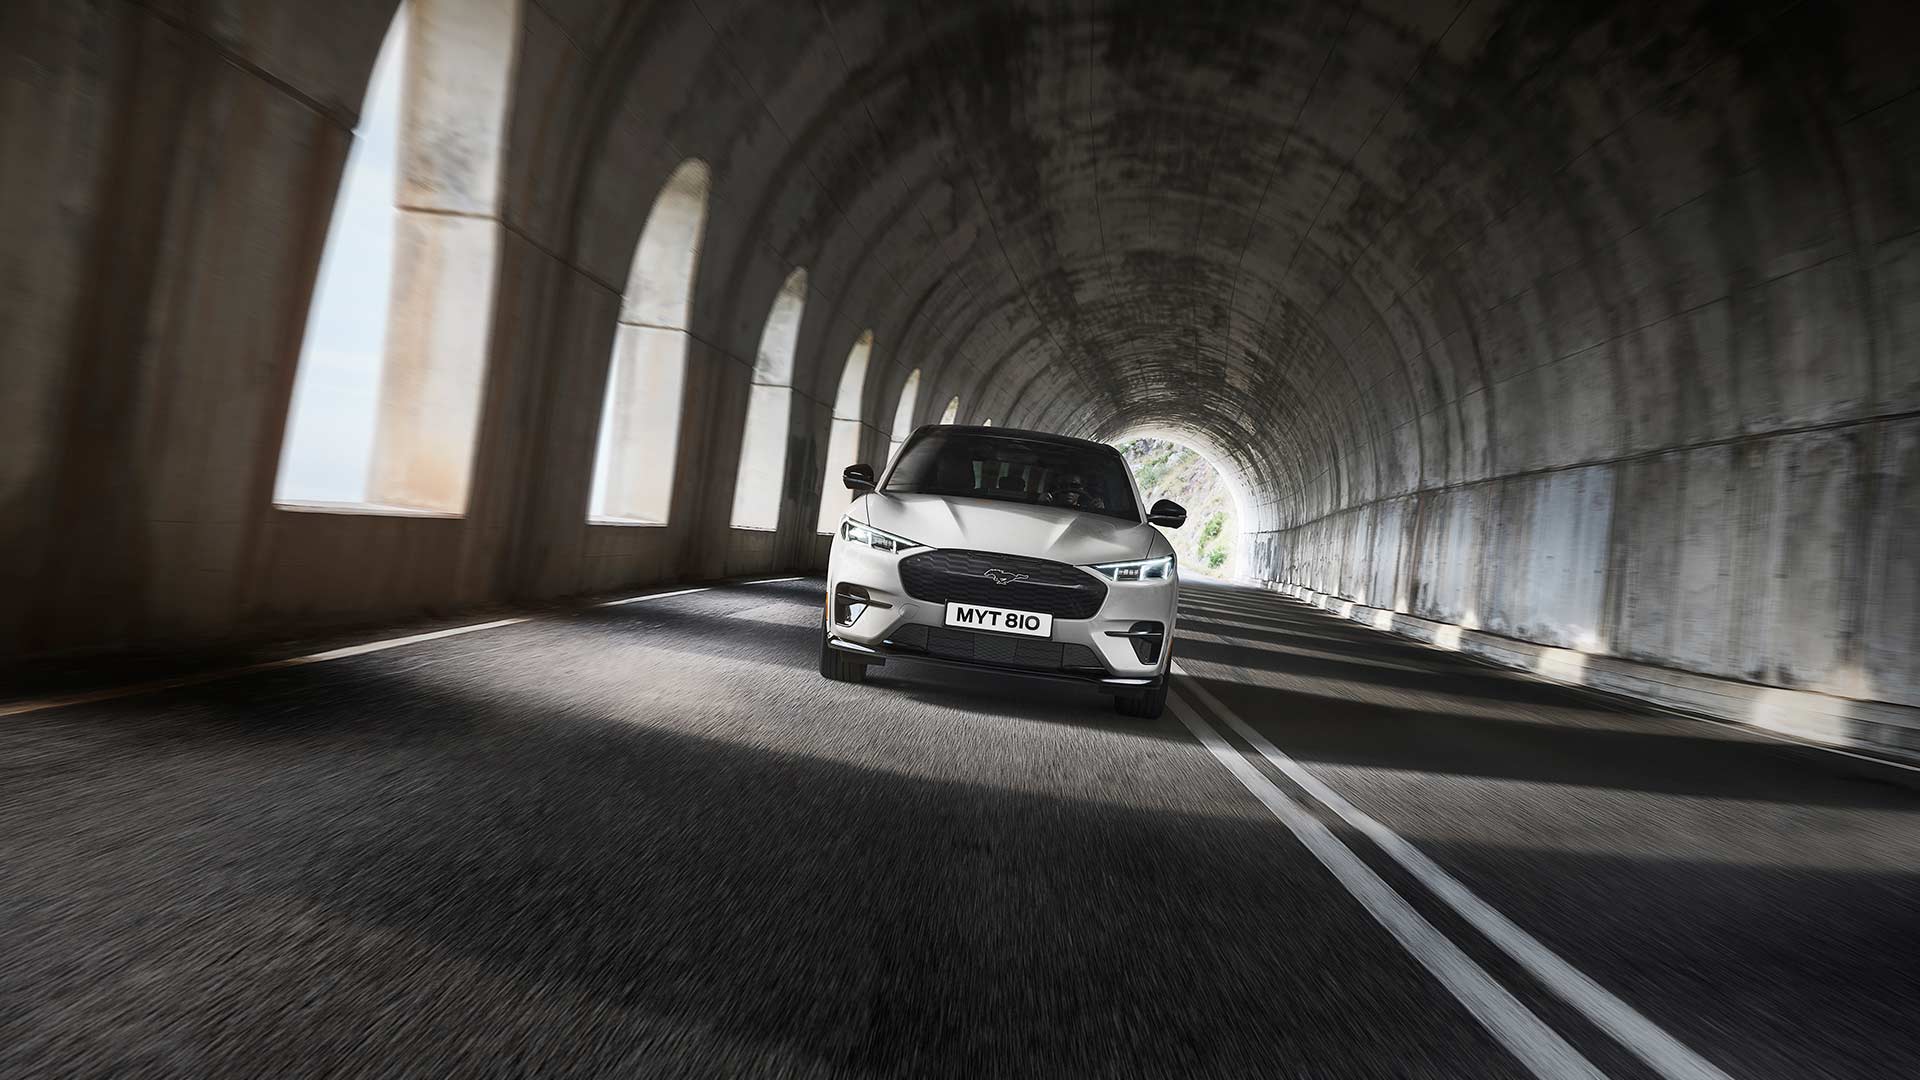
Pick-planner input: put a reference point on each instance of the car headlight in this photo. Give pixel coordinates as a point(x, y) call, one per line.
point(1159, 569)
point(876, 539)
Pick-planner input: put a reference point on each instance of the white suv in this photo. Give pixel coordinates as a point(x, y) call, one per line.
point(1018, 551)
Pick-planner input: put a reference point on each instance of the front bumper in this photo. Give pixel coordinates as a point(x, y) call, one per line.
point(886, 626)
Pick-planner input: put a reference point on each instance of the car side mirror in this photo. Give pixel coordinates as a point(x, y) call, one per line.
point(1167, 512)
point(858, 477)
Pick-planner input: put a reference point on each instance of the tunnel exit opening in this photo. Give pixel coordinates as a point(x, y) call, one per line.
point(1168, 465)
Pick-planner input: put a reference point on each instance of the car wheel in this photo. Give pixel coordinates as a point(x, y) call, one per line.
point(837, 665)
point(1146, 706)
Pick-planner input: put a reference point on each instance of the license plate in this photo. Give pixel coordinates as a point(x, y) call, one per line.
point(999, 620)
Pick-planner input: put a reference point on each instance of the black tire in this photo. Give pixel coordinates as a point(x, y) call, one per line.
point(1146, 706)
point(838, 666)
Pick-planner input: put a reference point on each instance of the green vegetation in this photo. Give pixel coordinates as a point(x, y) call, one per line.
point(1151, 467)
point(1211, 549)
point(1167, 470)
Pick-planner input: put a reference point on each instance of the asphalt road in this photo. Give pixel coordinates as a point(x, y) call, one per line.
point(649, 840)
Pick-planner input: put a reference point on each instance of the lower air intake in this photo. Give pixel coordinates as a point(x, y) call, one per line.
point(1001, 650)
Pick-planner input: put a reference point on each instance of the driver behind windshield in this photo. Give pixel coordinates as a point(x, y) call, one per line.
point(1071, 491)
point(1011, 469)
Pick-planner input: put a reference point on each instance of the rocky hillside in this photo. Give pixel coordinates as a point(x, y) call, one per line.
point(1170, 471)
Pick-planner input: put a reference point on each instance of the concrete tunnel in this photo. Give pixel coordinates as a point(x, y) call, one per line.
point(1579, 336)
point(1583, 335)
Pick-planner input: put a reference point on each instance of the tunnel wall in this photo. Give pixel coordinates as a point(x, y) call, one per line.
point(1688, 443)
point(1780, 563)
point(166, 183)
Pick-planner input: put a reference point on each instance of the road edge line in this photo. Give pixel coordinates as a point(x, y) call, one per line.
point(113, 693)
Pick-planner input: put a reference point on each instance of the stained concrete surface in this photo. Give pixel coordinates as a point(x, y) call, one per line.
point(652, 840)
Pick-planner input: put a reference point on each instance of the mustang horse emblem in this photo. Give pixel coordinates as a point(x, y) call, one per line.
point(1003, 577)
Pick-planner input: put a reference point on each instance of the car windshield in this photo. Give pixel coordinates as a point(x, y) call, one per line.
point(1008, 468)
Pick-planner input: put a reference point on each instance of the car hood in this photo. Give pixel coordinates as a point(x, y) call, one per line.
point(1043, 532)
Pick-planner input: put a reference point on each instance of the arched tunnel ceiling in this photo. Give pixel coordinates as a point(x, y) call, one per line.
point(1331, 239)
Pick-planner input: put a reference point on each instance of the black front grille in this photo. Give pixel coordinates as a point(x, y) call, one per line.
point(1032, 654)
point(961, 577)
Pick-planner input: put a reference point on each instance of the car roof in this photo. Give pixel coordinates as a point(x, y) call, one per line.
point(1019, 433)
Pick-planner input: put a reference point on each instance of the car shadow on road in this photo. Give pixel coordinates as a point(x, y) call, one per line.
point(1017, 697)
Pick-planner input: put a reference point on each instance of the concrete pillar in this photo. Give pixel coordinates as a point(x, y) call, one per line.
point(460, 71)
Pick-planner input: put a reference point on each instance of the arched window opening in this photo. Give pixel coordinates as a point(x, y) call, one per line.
point(953, 410)
point(328, 450)
point(988, 422)
point(843, 447)
point(633, 466)
point(903, 413)
point(386, 399)
point(763, 445)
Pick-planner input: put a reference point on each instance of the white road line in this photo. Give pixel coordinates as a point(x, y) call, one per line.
point(1645, 1039)
point(86, 697)
point(1525, 1035)
point(652, 596)
point(414, 639)
point(109, 693)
